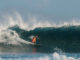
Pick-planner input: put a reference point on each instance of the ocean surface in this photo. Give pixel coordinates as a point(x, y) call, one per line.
point(57, 43)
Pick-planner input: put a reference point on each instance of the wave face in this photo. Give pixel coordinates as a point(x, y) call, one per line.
point(65, 38)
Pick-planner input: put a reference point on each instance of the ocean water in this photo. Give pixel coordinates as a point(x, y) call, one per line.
point(40, 56)
point(58, 42)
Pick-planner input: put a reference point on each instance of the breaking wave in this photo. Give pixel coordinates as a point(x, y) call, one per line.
point(65, 36)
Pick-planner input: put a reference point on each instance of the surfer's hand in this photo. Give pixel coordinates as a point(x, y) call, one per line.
point(39, 38)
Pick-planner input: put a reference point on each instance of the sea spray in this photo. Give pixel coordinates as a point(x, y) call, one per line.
point(10, 20)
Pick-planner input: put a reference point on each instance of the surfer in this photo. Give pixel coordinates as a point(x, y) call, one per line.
point(34, 39)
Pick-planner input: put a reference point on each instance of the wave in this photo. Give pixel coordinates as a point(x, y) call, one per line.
point(65, 36)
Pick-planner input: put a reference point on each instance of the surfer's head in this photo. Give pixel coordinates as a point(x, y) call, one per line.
point(36, 35)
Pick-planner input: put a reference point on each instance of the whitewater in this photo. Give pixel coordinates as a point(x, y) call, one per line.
point(16, 35)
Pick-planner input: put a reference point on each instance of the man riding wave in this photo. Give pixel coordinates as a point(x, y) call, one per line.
point(34, 39)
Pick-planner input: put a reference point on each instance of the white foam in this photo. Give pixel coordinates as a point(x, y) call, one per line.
point(11, 37)
point(57, 56)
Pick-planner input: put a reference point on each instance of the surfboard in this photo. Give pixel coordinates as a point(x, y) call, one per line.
point(37, 45)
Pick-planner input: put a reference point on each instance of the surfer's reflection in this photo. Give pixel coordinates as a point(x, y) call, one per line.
point(34, 50)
